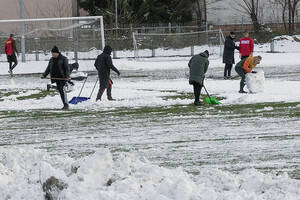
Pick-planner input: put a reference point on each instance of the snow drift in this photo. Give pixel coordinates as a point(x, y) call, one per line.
point(23, 171)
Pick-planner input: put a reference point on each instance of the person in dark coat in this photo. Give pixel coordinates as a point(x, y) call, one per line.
point(11, 51)
point(103, 65)
point(73, 66)
point(59, 70)
point(198, 66)
point(228, 54)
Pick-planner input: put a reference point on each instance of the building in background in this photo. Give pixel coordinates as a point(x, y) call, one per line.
point(9, 9)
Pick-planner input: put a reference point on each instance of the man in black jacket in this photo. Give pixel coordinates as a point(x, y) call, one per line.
point(103, 65)
point(228, 54)
point(59, 73)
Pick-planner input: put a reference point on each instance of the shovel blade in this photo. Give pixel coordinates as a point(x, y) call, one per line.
point(76, 100)
point(212, 100)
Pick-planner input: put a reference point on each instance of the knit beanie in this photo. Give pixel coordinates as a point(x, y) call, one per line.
point(55, 49)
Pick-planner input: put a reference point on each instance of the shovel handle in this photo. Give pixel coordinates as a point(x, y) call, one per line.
point(206, 92)
point(61, 79)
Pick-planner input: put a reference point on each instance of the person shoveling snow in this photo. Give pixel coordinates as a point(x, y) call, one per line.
point(74, 75)
point(244, 67)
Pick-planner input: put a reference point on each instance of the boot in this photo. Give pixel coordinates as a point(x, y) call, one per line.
point(48, 87)
point(99, 95)
point(66, 106)
point(197, 103)
point(242, 91)
point(110, 98)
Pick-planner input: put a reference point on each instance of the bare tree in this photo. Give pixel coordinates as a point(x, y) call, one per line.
point(288, 9)
point(251, 9)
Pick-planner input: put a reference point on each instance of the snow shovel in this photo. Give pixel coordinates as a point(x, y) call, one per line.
point(78, 99)
point(209, 99)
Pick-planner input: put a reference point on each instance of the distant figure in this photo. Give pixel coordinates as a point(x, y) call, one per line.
point(198, 65)
point(59, 70)
point(228, 55)
point(246, 46)
point(245, 66)
point(103, 65)
point(11, 51)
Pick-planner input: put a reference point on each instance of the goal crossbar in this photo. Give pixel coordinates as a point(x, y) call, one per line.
point(50, 19)
point(23, 21)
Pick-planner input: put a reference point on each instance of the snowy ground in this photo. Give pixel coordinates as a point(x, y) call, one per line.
point(152, 143)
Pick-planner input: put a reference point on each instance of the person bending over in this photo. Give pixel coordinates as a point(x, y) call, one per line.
point(198, 66)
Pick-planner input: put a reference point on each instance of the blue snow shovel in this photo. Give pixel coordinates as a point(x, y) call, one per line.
point(78, 99)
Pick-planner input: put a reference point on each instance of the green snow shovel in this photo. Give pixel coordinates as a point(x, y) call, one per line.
point(209, 99)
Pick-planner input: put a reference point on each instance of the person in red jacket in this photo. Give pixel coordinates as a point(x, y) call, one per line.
point(246, 46)
point(11, 51)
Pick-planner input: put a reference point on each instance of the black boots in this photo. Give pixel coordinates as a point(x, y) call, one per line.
point(197, 103)
point(242, 91)
point(110, 98)
point(99, 95)
point(66, 106)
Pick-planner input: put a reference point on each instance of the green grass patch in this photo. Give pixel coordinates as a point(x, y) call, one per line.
point(5, 93)
point(41, 94)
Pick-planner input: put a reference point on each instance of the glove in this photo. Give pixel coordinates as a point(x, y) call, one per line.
point(118, 73)
point(71, 83)
point(254, 72)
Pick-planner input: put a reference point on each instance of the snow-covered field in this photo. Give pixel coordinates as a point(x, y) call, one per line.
point(152, 143)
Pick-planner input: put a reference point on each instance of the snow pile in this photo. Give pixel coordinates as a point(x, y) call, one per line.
point(23, 172)
point(255, 81)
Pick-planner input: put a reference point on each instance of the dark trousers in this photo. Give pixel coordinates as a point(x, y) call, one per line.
point(61, 89)
point(227, 69)
point(105, 85)
point(242, 74)
point(197, 90)
point(243, 57)
point(12, 59)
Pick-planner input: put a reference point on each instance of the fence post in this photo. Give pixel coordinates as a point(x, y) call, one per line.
point(272, 45)
point(36, 51)
point(153, 49)
point(170, 27)
point(192, 50)
point(114, 54)
point(153, 52)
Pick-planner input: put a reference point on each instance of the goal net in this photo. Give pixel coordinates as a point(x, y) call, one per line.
point(178, 44)
point(76, 37)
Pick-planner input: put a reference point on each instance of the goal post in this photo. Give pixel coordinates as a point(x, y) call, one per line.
point(73, 35)
point(177, 44)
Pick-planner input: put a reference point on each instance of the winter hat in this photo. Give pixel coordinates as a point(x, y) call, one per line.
point(232, 33)
point(207, 52)
point(55, 49)
point(107, 49)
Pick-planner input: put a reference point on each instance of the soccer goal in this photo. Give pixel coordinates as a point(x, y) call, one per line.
point(178, 44)
point(76, 37)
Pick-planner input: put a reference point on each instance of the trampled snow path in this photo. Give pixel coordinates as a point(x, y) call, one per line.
point(139, 92)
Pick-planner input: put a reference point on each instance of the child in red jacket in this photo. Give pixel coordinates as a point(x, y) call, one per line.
point(246, 46)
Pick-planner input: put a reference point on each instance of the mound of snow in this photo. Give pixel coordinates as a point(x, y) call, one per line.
point(255, 81)
point(23, 171)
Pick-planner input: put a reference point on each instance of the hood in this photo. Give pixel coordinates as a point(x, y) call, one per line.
point(229, 37)
point(107, 49)
point(204, 54)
